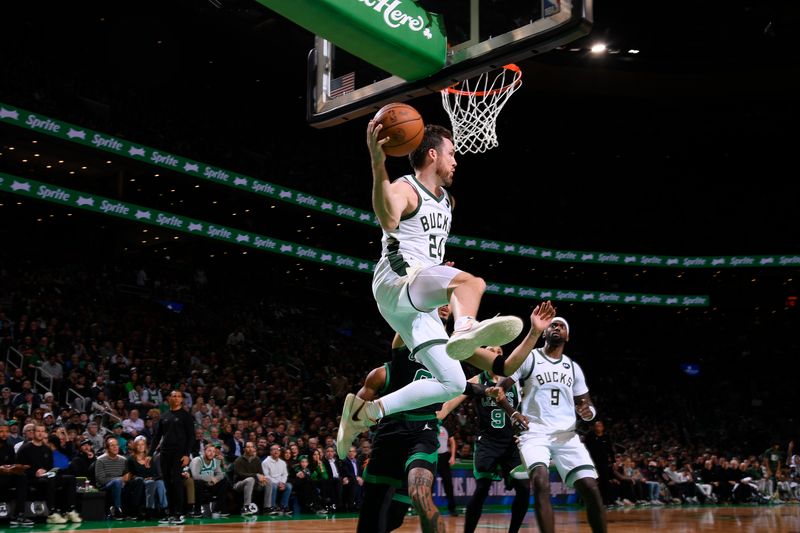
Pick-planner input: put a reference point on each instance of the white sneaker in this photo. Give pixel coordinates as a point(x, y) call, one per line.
point(56, 518)
point(354, 420)
point(74, 517)
point(495, 331)
point(520, 472)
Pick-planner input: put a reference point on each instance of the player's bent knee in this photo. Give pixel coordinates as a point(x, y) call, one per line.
point(455, 385)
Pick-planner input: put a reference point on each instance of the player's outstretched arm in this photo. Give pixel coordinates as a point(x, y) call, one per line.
point(487, 360)
point(372, 384)
point(389, 200)
point(541, 317)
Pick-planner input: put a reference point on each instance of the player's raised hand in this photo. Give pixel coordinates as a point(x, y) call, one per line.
point(375, 142)
point(542, 315)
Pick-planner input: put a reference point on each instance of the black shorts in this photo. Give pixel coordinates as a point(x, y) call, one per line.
point(399, 446)
point(491, 455)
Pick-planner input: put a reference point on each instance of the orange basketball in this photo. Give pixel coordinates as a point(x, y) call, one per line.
point(404, 127)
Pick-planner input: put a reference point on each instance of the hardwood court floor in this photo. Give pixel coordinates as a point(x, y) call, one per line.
point(773, 519)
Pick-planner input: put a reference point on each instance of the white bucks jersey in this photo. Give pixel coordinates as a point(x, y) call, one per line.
point(548, 387)
point(420, 238)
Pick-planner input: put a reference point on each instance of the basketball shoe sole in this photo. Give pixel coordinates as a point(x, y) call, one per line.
point(495, 331)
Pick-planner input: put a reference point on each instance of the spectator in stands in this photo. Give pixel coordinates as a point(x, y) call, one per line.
point(116, 431)
point(83, 460)
point(150, 424)
point(623, 482)
point(10, 479)
point(352, 482)
point(95, 437)
point(235, 446)
point(52, 368)
point(110, 469)
point(100, 405)
point(133, 425)
point(652, 479)
point(49, 403)
point(304, 487)
point(151, 396)
point(5, 399)
point(136, 397)
point(48, 419)
point(37, 454)
point(99, 386)
point(13, 433)
point(332, 486)
point(680, 485)
point(209, 480)
point(248, 478)
point(142, 468)
point(17, 380)
point(277, 473)
point(27, 436)
point(60, 459)
point(118, 410)
point(198, 443)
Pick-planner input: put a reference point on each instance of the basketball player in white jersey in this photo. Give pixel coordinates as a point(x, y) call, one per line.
point(553, 390)
point(410, 281)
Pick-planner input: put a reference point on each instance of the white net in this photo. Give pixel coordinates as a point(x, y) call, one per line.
point(475, 103)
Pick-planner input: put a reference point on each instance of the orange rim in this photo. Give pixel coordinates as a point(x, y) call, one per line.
point(516, 81)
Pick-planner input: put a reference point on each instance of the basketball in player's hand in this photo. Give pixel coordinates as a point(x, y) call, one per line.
point(404, 127)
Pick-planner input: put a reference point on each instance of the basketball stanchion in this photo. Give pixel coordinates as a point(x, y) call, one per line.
point(474, 104)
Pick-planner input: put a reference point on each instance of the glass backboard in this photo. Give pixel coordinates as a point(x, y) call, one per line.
point(481, 34)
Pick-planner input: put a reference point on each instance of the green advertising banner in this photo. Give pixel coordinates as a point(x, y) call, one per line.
point(138, 152)
point(397, 36)
point(135, 213)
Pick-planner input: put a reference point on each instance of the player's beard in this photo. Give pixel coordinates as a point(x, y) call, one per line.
point(444, 173)
point(553, 340)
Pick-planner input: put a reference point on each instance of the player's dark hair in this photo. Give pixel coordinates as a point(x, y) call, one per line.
point(432, 138)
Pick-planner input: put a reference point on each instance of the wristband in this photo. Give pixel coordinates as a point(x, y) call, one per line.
point(474, 389)
point(499, 366)
point(594, 414)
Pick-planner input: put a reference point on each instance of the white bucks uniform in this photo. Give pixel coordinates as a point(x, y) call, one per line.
point(417, 244)
point(548, 387)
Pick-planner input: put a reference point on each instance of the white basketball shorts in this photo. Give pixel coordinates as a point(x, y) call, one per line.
point(566, 451)
point(417, 322)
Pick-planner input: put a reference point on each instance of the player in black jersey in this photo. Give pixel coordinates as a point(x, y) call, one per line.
point(402, 465)
point(495, 450)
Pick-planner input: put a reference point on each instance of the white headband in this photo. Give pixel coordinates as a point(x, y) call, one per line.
point(562, 320)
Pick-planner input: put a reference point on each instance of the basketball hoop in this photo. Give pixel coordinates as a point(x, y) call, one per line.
point(475, 103)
